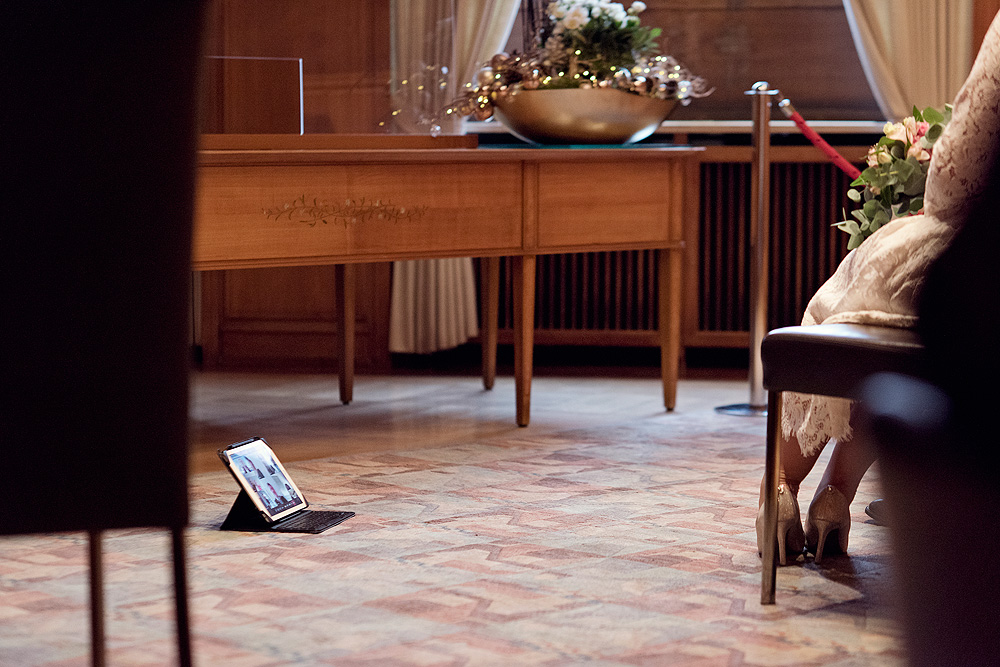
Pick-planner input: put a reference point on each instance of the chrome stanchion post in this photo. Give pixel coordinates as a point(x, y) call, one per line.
point(760, 216)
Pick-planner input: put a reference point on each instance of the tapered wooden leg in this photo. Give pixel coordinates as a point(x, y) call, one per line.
point(96, 599)
point(772, 459)
point(181, 597)
point(524, 333)
point(213, 285)
point(489, 305)
point(344, 275)
point(669, 296)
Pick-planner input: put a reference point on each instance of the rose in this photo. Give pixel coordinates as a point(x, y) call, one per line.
point(895, 131)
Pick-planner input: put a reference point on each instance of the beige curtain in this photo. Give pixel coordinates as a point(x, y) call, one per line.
point(914, 52)
point(437, 46)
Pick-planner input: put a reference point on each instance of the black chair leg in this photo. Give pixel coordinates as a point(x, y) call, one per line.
point(181, 597)
point(97, 650)
point(96, 599)
point(769, 549)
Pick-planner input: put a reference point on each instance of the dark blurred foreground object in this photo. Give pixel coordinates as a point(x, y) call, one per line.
point(98, 156)
point(937, 441)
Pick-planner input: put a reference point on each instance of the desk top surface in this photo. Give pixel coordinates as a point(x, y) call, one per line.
point(231, 149)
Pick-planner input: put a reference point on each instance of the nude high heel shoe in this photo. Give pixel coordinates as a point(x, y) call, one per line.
point(829, 516)
point(791, 539)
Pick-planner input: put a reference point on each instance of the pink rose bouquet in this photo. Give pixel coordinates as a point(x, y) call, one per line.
point(892, 185)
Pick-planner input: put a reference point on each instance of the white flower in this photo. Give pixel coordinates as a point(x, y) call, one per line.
point(637, 7)
point(576, 18)
point(895, 131)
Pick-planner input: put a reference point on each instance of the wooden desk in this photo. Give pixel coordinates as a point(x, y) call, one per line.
point(280, 200)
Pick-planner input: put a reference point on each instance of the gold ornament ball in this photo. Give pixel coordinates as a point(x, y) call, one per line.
point(498, 61)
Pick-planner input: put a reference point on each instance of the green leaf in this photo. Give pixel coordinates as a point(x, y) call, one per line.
point(905, 170)
point(932, 115)
point(869, 175)
point(915, 184)
point(849, 226)
point(871, 207)
point(916, 204)
point(854, 195)
point(934, 132)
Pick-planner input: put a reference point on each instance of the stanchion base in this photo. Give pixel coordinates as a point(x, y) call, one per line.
point(743, 410)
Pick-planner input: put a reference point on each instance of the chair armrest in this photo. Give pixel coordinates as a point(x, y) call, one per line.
point(832, 359)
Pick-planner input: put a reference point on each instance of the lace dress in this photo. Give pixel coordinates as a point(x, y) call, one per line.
point(878, 282)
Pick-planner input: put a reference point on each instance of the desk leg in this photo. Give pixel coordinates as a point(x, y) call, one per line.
point(489, 305)
point(669, 295)
point(345, 293)
point(524, 333)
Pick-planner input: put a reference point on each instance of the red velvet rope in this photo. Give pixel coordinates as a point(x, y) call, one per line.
point(820, 143)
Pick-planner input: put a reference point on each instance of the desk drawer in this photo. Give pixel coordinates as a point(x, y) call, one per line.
point(276, 215)
point(609, 204)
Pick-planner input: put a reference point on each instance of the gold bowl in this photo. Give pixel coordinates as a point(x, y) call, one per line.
point(581, 115)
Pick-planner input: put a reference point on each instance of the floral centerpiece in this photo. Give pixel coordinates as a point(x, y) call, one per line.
point(583, 44)
point(892, 185)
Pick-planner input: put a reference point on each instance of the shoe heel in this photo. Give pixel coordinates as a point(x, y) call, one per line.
point(823, 529)
point(829, 513)
point(783, 527)
point(788, 529)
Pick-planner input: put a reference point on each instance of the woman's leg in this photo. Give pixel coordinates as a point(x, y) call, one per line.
point(828, 523)
point(794, 466)
point(848, 464)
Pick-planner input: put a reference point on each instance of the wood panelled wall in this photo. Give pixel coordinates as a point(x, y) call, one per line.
point(285, 317)
point(803, 48)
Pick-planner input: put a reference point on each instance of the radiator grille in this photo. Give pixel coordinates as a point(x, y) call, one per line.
point(592, 291)
point(616, 291)
point(806, 199)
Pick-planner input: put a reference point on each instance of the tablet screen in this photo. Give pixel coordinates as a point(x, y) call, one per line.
point(258, 471)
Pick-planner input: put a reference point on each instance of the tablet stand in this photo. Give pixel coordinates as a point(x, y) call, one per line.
point(244, 516)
